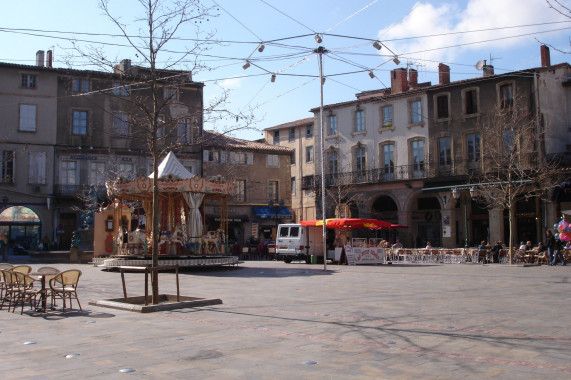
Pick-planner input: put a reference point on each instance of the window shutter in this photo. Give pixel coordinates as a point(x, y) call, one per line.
point(250, 158)
point(205, 155)
point(223, 156)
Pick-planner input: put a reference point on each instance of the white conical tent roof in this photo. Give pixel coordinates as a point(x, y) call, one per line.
point(172, 166)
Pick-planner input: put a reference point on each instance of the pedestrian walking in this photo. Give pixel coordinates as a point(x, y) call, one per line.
point(550, 244)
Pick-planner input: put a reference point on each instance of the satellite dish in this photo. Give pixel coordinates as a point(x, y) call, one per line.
point(480, 64)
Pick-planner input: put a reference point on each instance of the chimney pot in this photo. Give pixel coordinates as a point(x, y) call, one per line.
point(40, 58)
point(443, 73)
point(545, 56)
point(488, 70)
point(412, 78)
point(49, 58)
point(399, 82)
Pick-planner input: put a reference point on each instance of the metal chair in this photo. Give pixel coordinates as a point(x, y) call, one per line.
point(25, 291)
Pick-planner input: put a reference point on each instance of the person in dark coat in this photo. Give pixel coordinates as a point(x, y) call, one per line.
point(496, 252)
point(550, 244)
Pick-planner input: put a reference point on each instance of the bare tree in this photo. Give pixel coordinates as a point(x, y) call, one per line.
point(151, 90)
point(515, 165)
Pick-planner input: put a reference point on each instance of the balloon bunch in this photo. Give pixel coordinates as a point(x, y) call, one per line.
point(564, 229)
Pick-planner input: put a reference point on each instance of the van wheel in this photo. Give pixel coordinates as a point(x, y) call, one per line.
point(287, 260)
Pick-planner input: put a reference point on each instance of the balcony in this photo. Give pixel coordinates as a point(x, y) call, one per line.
point(423, 170)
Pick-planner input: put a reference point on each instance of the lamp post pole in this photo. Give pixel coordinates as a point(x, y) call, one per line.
point(464, 200)
point(320, 50)
point(276, 209)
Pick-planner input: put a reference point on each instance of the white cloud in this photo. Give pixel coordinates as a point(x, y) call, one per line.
point(231, 83)
point(435, 17)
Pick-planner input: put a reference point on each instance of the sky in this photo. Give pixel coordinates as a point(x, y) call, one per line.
point(421, 34)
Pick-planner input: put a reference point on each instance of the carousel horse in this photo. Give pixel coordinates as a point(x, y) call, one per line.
point(212, 241)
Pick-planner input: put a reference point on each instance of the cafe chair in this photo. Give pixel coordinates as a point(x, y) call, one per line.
point(22, 269)
point(10, 288)
point(3, 266)
point(64, 286)
point(25, 291)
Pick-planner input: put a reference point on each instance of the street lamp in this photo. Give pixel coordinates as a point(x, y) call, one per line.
point(464, 200)
point(276, 208)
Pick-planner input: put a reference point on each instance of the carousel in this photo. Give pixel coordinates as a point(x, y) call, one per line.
point(122, 235)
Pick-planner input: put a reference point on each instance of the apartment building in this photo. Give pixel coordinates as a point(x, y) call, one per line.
point(397, 153)
point(262, 189)
point(67, 131)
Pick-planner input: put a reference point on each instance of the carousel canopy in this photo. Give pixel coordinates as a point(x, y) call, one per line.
point(172, 167)
point(173, 178)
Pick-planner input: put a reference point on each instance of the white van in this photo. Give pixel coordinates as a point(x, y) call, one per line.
point(296, 242)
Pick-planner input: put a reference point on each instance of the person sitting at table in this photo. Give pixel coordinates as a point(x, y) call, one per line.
point(529, 246)
point(522, 246)
point(397, 245)
point(483, 245)
point(496, 249)
point(428, 245)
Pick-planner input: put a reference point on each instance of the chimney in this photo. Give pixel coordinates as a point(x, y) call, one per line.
point(399, 82)
point(488, 70)
point(40, 58)
point(49, 59)
point(443, 74)
point(545, 57)
point(124, 67)
point(412, 78)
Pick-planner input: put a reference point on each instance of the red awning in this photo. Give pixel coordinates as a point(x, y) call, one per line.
point(348, 223)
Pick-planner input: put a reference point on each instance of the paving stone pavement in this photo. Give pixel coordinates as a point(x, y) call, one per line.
point(297, 321)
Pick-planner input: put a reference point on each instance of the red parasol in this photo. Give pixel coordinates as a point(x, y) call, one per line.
point(348, 223)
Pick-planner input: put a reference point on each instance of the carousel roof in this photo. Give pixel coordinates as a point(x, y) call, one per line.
point(173, 168)
point(173, 178)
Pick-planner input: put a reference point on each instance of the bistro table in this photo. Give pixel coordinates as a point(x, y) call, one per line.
point(44, 278)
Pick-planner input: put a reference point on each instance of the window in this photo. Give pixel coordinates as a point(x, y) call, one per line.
point(292, 157)
point(273, 191)
point(442, 107)
point(359, 120)
point(27, 118)
point(97, 173)
point(276, 137)
point(470, 102)
point(444, 153)
point(417, 150)
point(80, 85)
point(68, 173)
point(473, 148)
point(332, 125)
point(510, 141)
point(309, 153)
point(332, 163)
point(160, 127)
point(415, 112)
point(273, 161)
point(120, 124)
point(185, 131)
point(387, 116)
point(238, 157)
point(309, 130)
point(291, 135)
point(239, 192)
point(360, 158)
point(79, 122)
point(37, 168)
point(171, 93)
point(506, 96)
point(126, 170)
point(213, 156)
point(292, 186)
point(388, 158)
point(120, 90)
point(28, 81)
point(7, 166)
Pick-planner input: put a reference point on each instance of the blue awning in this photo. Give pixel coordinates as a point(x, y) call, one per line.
point(265, 212)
